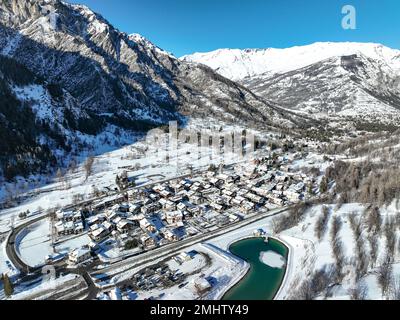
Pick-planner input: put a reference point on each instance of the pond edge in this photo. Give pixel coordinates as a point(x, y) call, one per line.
point(244, 272)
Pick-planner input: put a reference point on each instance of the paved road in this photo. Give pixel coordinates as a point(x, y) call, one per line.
point(11, 250)
point(29, 273)
point(91, 291)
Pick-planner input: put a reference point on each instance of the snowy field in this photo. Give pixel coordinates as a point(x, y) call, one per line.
point(34, 244)
point(308, 254)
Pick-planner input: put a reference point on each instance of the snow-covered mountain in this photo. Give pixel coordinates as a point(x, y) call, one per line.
point(357, 80)
point(109, 72)
point(238, 64)
point(114, 79)
point(347, 86)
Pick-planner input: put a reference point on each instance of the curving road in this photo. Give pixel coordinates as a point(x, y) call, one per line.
point(30, 273)
point(11, 251)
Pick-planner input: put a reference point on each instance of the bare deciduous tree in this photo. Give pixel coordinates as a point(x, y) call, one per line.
point(385, 275)
point(59, 175)
point(373, 220)
point(373, 244)
point(336, 226)
point(76, 198)
point(390, 234)
point(88, 167)
point(395, 290)
point(322, 223)
point(315, 285)
point(359, 292)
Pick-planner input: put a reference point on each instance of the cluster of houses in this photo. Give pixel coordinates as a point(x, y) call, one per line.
point(69, 223)
point(156, 277)
point(172, 210)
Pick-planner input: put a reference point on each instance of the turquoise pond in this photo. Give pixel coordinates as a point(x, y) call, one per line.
point(262, 282)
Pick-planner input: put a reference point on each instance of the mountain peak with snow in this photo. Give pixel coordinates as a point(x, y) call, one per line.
point(237, 64)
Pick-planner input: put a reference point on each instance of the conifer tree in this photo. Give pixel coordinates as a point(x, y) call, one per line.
point(323, 187)
point(8, 286)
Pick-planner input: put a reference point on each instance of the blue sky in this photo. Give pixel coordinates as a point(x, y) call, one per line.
point(187, 26)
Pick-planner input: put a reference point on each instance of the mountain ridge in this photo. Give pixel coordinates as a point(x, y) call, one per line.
point(226, 60)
